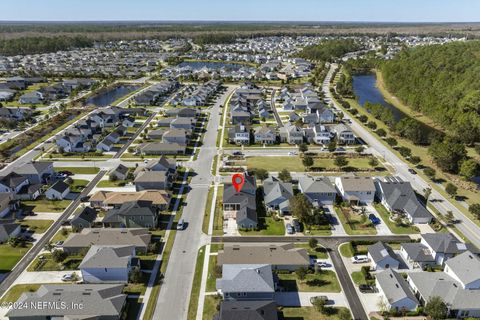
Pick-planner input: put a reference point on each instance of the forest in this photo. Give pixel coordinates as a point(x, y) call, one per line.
point(442, 82)
point(32, 45)
point(329, 50)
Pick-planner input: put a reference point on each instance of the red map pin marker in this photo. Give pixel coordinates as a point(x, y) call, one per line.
point(238, 180)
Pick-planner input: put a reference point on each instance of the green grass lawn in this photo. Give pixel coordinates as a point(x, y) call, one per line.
point(10, 256)
point(78, 185)
point(37, 226)
point(44, 205)
point(111, 184)
point(61, 234)
point(324, 281)
point(211, 278)
point(354, 224)
point(268, 227)
point(197, 279)
point(317, 253)
point(210, 306)
point(47, 263)
point(218, 219)
point(79, 170)
point(16, 291)
point(346, 250)
point(138, 288)
point(308, 313)
point(383, 212)
point(208, 208)
point(358, 278)
point(294, 164)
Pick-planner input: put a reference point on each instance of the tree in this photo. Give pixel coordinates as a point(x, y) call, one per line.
point(415, 160)
point(261, 173)
point(449, 216)
point(332, 146)
point(436, 308)
point(312, 243)
point(307, 161)
point(340, 161)
point(448, 154)
point(301, 207)
point(474, 209)
point(451, 189)
point(373, 162)
point(303, 147)
point(319, 305)
point(391, 141)
point(426, 193)
point(301, 273)
point(285, 176)
point(363, 118)
point(469, 169)
point(381, 132)
point(135, 276)
point(372, 125)
point(59, 256)
point(359, 149)
point(344, 314)
point(430, 172)
point(405, 152)
point(113, 177)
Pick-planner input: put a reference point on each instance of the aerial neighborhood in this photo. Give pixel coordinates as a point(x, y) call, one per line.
point(222, 177)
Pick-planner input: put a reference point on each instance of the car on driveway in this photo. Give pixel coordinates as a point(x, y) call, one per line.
point(66, 172)
point(296, 225)
point(290, 229)
point(373, 218)
point(68, 277)
point(58, 243)
point(412, 171)
point(365, 288)
point(360, 259)
point(322, 264)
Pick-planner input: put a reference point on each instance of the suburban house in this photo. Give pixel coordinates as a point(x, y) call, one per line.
point(160, 199)
point(133, 214)
point(179, 136)
point(13, 183)
point(9, 230)
point(458, 285)
point(33, 97)
point(239, 134)
point(398, 196)
point(36, 172)
point(265, 135)
point(108, 264)
point(318, 190)
point(241, 206)
point(138, 237)
point(318, 134)
point(120, 172)
point(83, 218)
point(161, 164)
point(395, 292)
point(277, 194)
point(356, 190)
point(382, 257)
point(58, 191)
point(159, 148)
point(291, 134)
point(344, 134)
point(242, 282)
point(6, 200)
point(280, 257)
point(105, 301)
point(252, 310)
point(444, 246)
point(152, 180)
point(416, 255)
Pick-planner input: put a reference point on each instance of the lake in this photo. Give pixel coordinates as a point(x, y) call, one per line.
point(197, 65)
point(106, 98)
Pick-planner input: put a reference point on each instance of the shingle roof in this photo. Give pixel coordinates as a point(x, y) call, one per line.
point(138, 237)
point(466, 266)
point(316, 185)
point(107, 257)
point(418, 252)
point(285, 254)
point(60, 186)
point(380, 251)
point(246, 278)
point(447, 243)
point(394, 286)
point(247, 310)
point(274, 188)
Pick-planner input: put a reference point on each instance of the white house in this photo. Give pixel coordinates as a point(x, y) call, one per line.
point(394, 291)
point(58, 191)
point(356, 190)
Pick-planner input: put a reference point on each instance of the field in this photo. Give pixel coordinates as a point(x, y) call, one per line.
point(294, 164)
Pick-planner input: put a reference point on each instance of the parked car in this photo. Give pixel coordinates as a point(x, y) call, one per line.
point(322, 264)
point(365, 288)
point(68, 277)
point(296, 225)
point(316, 298)
point(85, 199)
point(66, 172)
point(292, 153)
point(360, 259)
point(237, 153)
point(60, 175)
point(374, 218)
point(290, 229)
point(181, 224)
point(58, 243)
point(412, 171)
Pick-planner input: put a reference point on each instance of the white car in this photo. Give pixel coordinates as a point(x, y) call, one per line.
point(322, 264)
point(360, 259)
point(292, 153)
point(68, 277)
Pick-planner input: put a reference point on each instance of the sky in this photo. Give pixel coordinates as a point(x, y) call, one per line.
point(243, 10)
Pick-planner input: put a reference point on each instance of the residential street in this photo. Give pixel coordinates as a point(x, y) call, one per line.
point(466, 226)
point(174, 296)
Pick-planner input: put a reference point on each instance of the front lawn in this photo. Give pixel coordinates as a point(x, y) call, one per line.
point(78, 185)
point(398, 229)
point(317, 253)
point(78, 170)
point(210, 306)
point(45, 205)
point(354, 223)
point(111, 184)
point(266, 227)
point(11, 255)
point(308, 313)
point(323, 281)
point(16, 291)
point(47, 263)
point(37, 226)
point(347, 250)
point(212, 274)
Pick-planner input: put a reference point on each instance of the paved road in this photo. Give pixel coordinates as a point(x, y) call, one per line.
point(173, 299)
point(274, 109)
point(38, 246)
point(466, 226)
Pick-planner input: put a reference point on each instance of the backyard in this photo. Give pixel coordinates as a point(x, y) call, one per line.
point(45, 205)
point(398, 229)
point(354, 223)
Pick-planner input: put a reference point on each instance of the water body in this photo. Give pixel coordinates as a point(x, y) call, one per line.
point(197, 65)
point(106, 98)
point(365, 89)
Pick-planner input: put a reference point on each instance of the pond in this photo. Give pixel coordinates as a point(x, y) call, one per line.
point(106, 98)
point(365, 89)
point(197, 65)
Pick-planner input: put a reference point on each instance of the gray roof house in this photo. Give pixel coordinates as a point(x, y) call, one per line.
point(277, 194)
point(246, 282)
point(36, 172)
point(280, 257)
point(104, 301)
point(395, 291)
point(58, 191)
point(265, 135)
point(382, 257)
point(133, 214)
point(444, 246)
point(9, 230)
point(318, 190)
point(120, 172)
point(241, 206)
point(152, 180)
point(357, 190)
point(398, 195)
point(108, 264)
point(161, 148)
point(247, 310)
point(416, 255)
point(83, 218)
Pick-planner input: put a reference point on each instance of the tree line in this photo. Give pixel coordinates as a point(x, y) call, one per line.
point(329, 50)
point(33, 45)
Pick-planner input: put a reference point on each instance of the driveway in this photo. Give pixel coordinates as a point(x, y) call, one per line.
point(337, 227)
point(231, 228)
point(43, 277)
point(382, 228)
point(302, 299)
